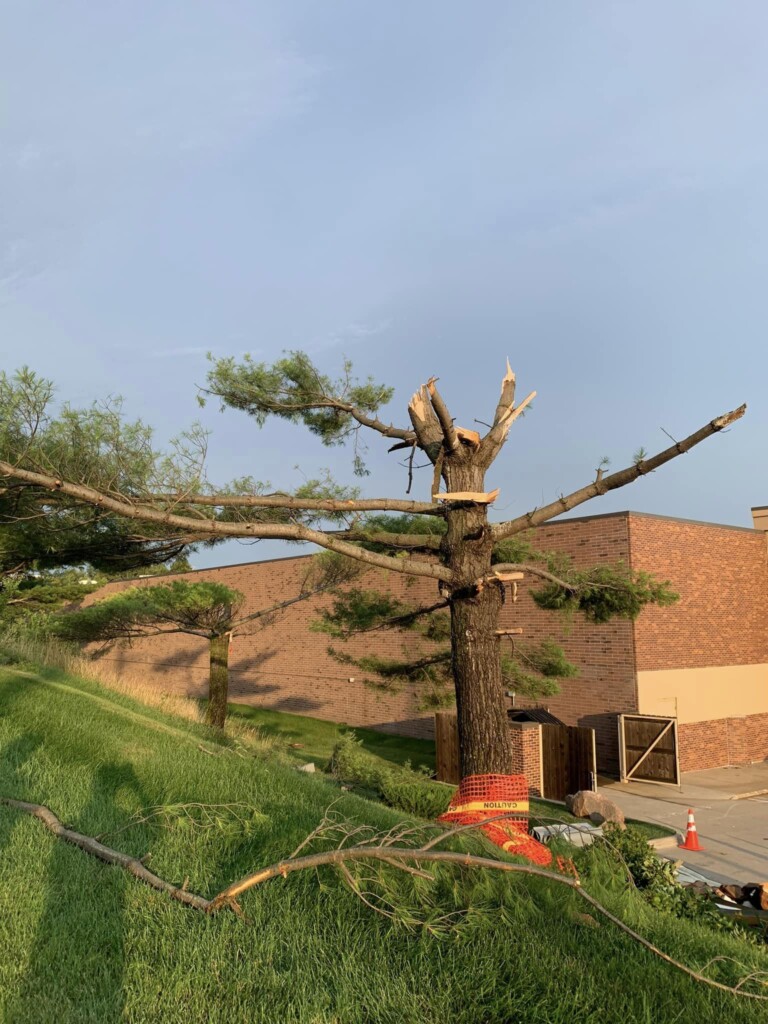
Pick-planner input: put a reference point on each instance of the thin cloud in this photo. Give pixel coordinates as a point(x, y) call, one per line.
point(353, 333)
point(184, 350)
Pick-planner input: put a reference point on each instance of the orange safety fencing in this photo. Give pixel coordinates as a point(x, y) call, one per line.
point(480, 797)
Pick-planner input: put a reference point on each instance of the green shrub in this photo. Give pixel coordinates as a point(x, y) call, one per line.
point(655, 878)
point(399, 786)
point(421, 798)
point(350, 763)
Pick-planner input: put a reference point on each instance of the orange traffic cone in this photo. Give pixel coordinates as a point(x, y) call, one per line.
point(691, 835)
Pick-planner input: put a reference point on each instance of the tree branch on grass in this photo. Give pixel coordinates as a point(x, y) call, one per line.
point(107, 854)
point(385, 853)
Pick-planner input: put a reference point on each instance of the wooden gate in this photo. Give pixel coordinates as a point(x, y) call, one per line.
point(648, 749)
point(568, 760)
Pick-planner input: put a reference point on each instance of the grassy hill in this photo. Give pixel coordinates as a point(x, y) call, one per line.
point(83, 942)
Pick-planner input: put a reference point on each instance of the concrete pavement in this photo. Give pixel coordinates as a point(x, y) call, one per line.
point(732, 823)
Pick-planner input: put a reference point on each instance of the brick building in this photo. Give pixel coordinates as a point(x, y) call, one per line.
point(703, 661)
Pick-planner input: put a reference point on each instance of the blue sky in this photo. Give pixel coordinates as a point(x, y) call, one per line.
point(426, 188)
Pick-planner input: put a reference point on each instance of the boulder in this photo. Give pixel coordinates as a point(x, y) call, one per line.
point(597, 808)
point(310, 767)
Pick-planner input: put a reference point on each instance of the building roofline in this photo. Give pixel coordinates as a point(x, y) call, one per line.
point(651, 515)
point(625, 514)
point(211, 568)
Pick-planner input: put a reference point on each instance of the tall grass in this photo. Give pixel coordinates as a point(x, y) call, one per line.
point(24, 648)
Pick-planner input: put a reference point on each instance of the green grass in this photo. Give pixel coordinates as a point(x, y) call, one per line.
point(318, 737)
point(83, 942)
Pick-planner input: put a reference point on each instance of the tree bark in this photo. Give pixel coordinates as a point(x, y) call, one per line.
point(218, 685)
point(484, 741)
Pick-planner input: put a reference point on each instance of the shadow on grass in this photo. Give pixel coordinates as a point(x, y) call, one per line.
point(75, 960)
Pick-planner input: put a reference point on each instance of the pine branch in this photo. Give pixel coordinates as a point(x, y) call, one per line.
point(416, 541)
point(603, 484)
point(132, 509)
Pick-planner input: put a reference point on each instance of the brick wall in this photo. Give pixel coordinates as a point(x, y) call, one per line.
point(526, 753)
point(725, 741)
point(284, 665)
point(720, 574)
point(721, 619)
point(603, 654)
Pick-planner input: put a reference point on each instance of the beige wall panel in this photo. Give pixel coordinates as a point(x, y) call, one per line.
point(704, 694)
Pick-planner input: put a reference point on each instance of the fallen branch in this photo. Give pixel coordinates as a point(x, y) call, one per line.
point(393, 855)
point(388, 853)
point(107, 854)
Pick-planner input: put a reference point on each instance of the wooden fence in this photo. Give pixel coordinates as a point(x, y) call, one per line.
point(564, 763)
point(447, 747)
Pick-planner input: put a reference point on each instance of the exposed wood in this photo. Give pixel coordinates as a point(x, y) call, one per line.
point(507, 570)
point(418, 404)
point(468, 437)
point(478, 497)
point(507, 420)
point(425, 423)
point(615, 480)
point(507, 397)
point(510, 632)
point(107, 854)
point(505, 415)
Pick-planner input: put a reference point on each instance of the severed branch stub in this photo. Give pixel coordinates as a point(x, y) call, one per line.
point(477, 497)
